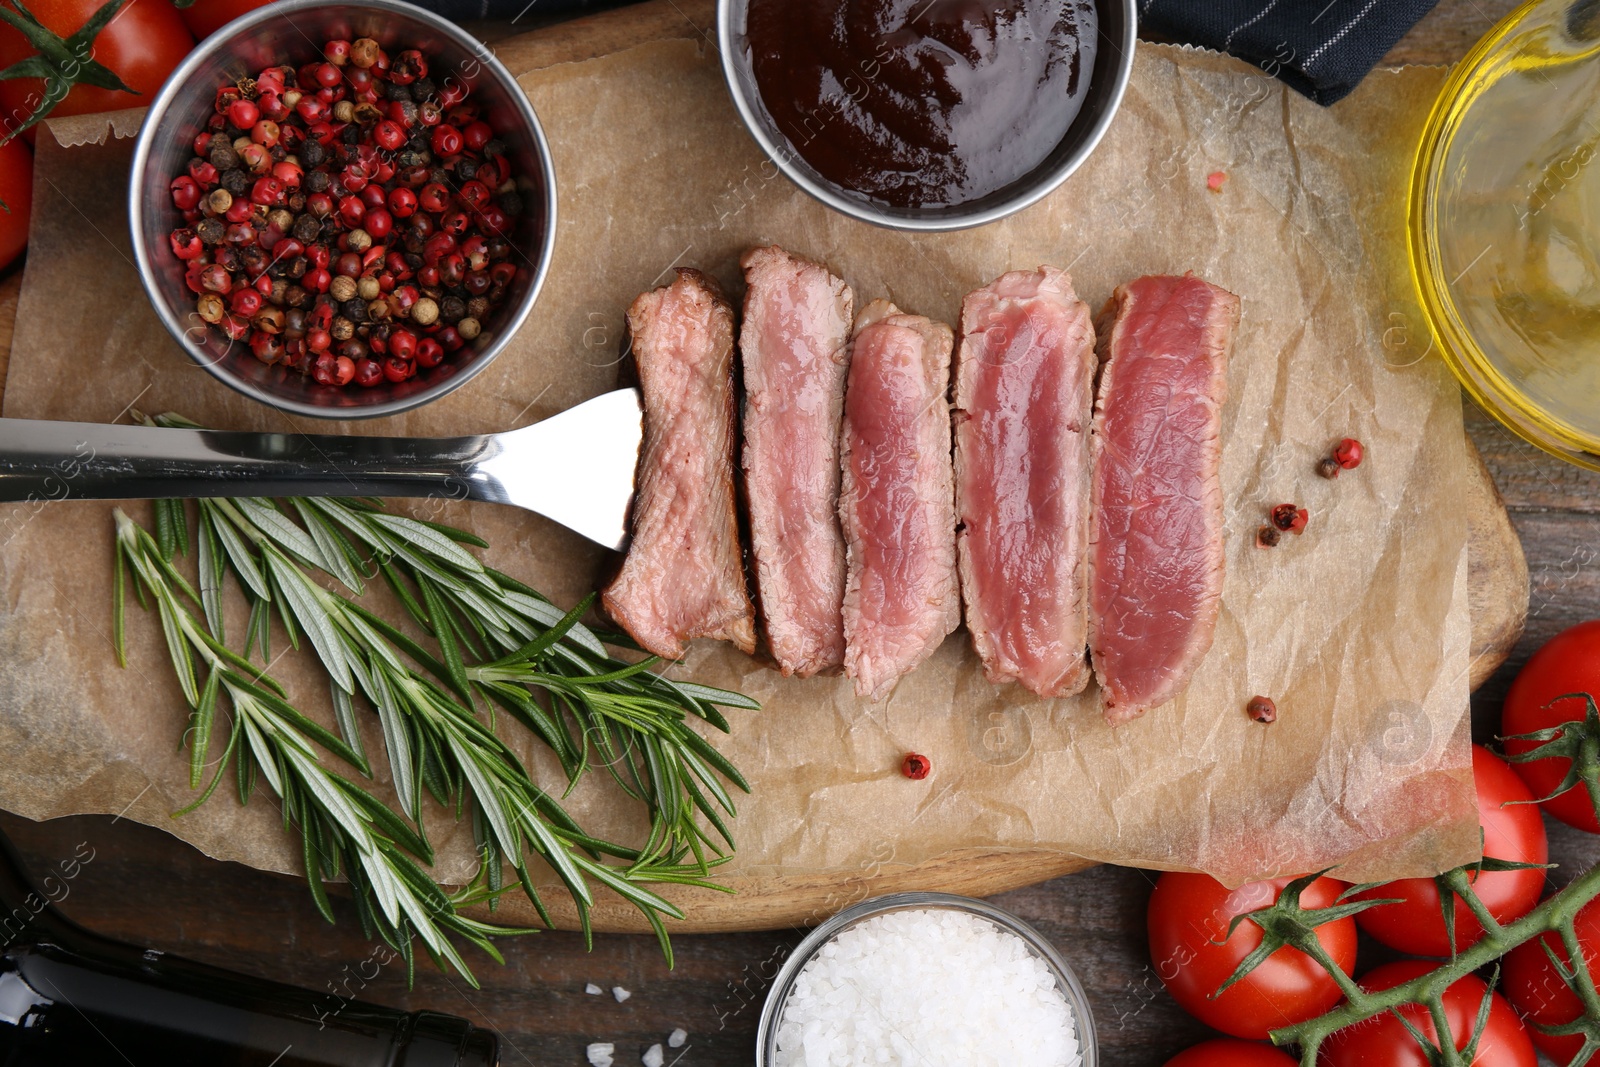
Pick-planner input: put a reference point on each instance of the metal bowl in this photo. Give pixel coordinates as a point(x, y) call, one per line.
point(292, 31)
point(1107, 82)
point(783, 981)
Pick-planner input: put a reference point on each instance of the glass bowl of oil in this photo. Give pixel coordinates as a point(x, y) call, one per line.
point(1505, 225)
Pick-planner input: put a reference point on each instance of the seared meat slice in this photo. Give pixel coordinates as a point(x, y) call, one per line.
point(683, 576)
point(1024, 397)
point(901, 595)
point(1156, 551)
point(795, 345)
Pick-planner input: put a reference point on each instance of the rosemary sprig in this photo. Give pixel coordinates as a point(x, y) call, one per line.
point(488, 642)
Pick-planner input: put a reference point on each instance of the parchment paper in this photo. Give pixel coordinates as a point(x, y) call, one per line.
point(1358, 629)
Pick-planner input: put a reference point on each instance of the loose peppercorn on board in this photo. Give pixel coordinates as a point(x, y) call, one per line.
point(1018, 789)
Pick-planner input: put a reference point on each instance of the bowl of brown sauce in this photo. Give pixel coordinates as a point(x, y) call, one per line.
point(927, 114)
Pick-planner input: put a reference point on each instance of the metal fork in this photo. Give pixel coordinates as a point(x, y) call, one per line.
point(576, 467)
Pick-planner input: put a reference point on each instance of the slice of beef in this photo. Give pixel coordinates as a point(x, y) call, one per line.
point(897, 499)
point(683, 576)
point(795, 346)
point(1024, 398)
point(1156, 550)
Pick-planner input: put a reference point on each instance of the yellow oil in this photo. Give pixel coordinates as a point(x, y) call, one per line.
point(1505, 225)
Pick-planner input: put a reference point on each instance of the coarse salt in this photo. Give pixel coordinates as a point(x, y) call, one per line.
point(593, 990)
point(653, 1056)
point(620, 993)
point(677, 1038)
point(926, 987)
point(600, 1054)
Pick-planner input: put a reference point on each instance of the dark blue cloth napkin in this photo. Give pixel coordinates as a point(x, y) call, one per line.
point(1322, 48)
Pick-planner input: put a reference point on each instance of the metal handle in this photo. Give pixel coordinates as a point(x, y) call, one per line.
point(65, 460)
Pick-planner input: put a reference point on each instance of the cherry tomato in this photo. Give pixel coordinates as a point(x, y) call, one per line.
point(205, 17)
point(141, 45)
point(1568, 663)
point(1384, 1041)
point(1539, 993)
point(1225, 1052)
point(1511, 831)
point(16, 189)
point(1189, 914)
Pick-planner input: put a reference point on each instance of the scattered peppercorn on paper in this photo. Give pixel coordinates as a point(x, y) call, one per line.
point(1357, 630)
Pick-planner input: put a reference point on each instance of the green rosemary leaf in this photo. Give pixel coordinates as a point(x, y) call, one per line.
point(456, 670)
point(428, 540)
point(459, 536)
point(166, 534)
point(397, 742)
point(319, 893)
point(289, 538)
point(304, 602)
point(336, 553)
point(394, 827)
point(708, 695)
point(182, 661)
point(239, 553)
point(344, 716)
point(212, 567)
point(260, 628)
point(205, 712)
point(265, 758)
point(216, 778)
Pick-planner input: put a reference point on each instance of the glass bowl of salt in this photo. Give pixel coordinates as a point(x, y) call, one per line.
point(928, 979)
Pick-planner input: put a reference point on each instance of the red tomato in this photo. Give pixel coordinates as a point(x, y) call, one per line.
point(16, 189)
point(1190, 913)
point(205, 17)
point(1383, 1041)
point(1568, 663)
point(141, 45)
point(1533, 986)
point(1228, 1053)
point(1511, 831)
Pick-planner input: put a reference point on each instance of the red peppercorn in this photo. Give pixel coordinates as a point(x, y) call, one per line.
point(433, 197)
point(316, 280)
point(266, 191)
point(202, 144)
point(430, 353)
point(446, 141)
point(378, 223)
point(266, 347)
point(186, 244)
point(273, 109)
point(450, 338)
point(494, 219)
point(389, 135)
point(402, 202)
point(215, 278)
point(311, 108)
point(1348, 454)
point(243, 114)
point(265, 133)
point(374, 196)
point(1289, 519)
point(1262, 709)
point(245, 302)
point(915, 766)
point(398, 370)
point(203, 173)
point(502, 273)
point(185, 193)
point(354, 177)
point(476, 134)
point(475, 195)
point(352, 211)
point(403, 344)
point(337, 52)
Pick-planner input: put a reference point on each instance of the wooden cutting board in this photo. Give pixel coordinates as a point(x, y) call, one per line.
point(1498, 571)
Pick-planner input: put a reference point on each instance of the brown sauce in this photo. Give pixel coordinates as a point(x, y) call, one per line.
point(922, 103)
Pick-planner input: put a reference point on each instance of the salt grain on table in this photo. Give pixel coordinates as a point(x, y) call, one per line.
point(593, 990)
point(620, 993)
point(677, 1038)
point(653, 1056)
point(926, 987)
point(600, 1054)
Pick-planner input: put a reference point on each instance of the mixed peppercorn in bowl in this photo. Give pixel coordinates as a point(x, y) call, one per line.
point(342, 210)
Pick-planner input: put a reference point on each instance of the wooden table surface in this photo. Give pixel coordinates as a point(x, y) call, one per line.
point(146, 887)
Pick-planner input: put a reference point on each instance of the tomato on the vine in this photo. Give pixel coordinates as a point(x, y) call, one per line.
point(1384, 1041)
point(1537, 990)
point(1567, 663)
point(1193, 954)
point(1227, 1052)
point(1512, 830)
point(205, 17)
point(141, 45)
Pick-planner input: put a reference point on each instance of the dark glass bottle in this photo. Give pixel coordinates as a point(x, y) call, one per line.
point(71, 998)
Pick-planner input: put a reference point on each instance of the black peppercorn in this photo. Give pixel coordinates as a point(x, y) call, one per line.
point(305, 229)
point(222, 155)
point(392, 91)
point(494, 149)
point(423, 88)
point(236, 181)
point(511, 204)
point(354, 309)
point(466, 169)
point(211, 231)
point(452, 309)
point(352, 133)
point(312, 153)
point(317, 181)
